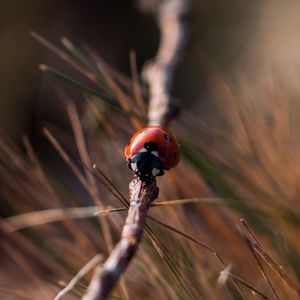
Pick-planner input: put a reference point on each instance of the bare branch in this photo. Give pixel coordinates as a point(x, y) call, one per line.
point(104, 279)
point(159, 72)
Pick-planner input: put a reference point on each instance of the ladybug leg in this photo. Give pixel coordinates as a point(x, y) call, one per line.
point(157, 172)
point(157, 168)
point(132, 165)
point(129, 164)
point(161, 173)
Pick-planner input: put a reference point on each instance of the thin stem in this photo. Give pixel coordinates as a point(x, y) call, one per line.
point(85, 269)
point(248, 285)
point(278, 269)
point(260, 266)
point(262, 270)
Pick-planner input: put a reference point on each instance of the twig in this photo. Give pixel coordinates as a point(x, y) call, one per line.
point(158, 74)
point(142, 195)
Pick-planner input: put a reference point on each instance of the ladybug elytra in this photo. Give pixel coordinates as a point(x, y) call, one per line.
point(150, 151)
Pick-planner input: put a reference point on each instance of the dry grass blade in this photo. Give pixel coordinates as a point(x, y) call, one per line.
point(32, 156)
point(202, 244)
point(225, 274)
point(260, 266)
point(164, 254)
point(249, 230)
point(210, 249)
point(209, 201)
point(64, 56)
point(137, 91)
point(72, 166)
point(109, 185)
point(123, 81)
point(202, 200)
point(98, 78)
point(90, 189)
point(15, 293)
point(82, 57)
point(82, 87)
point(50, 215)
point(36, 218)
point(83, 271)
point(123, 100)
point(81, 145)
point(248, 285)
point(80, 140)
point(278, 269)
point(262, 270)
point(66, 158)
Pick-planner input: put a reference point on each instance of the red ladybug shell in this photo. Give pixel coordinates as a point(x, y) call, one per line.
point(168, 148)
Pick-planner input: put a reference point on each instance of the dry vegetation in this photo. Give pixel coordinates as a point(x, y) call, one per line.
point(244, 166)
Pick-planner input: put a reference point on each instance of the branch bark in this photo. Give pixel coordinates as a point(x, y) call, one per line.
point(158, 74)
point(142, 194)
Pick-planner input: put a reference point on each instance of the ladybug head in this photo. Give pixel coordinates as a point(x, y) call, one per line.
point(146, 163)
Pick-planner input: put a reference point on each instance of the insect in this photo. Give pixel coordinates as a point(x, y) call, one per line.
point(150, 151)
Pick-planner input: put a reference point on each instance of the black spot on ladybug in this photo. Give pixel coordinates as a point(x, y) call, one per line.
point(166, 137)
point(150, 146)
point(175, 155)
point(129, 143)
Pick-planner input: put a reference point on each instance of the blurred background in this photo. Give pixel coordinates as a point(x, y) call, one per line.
point(238, 87)
point(253, 37)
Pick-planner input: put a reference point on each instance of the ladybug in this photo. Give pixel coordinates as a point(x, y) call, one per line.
point(150, 151)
